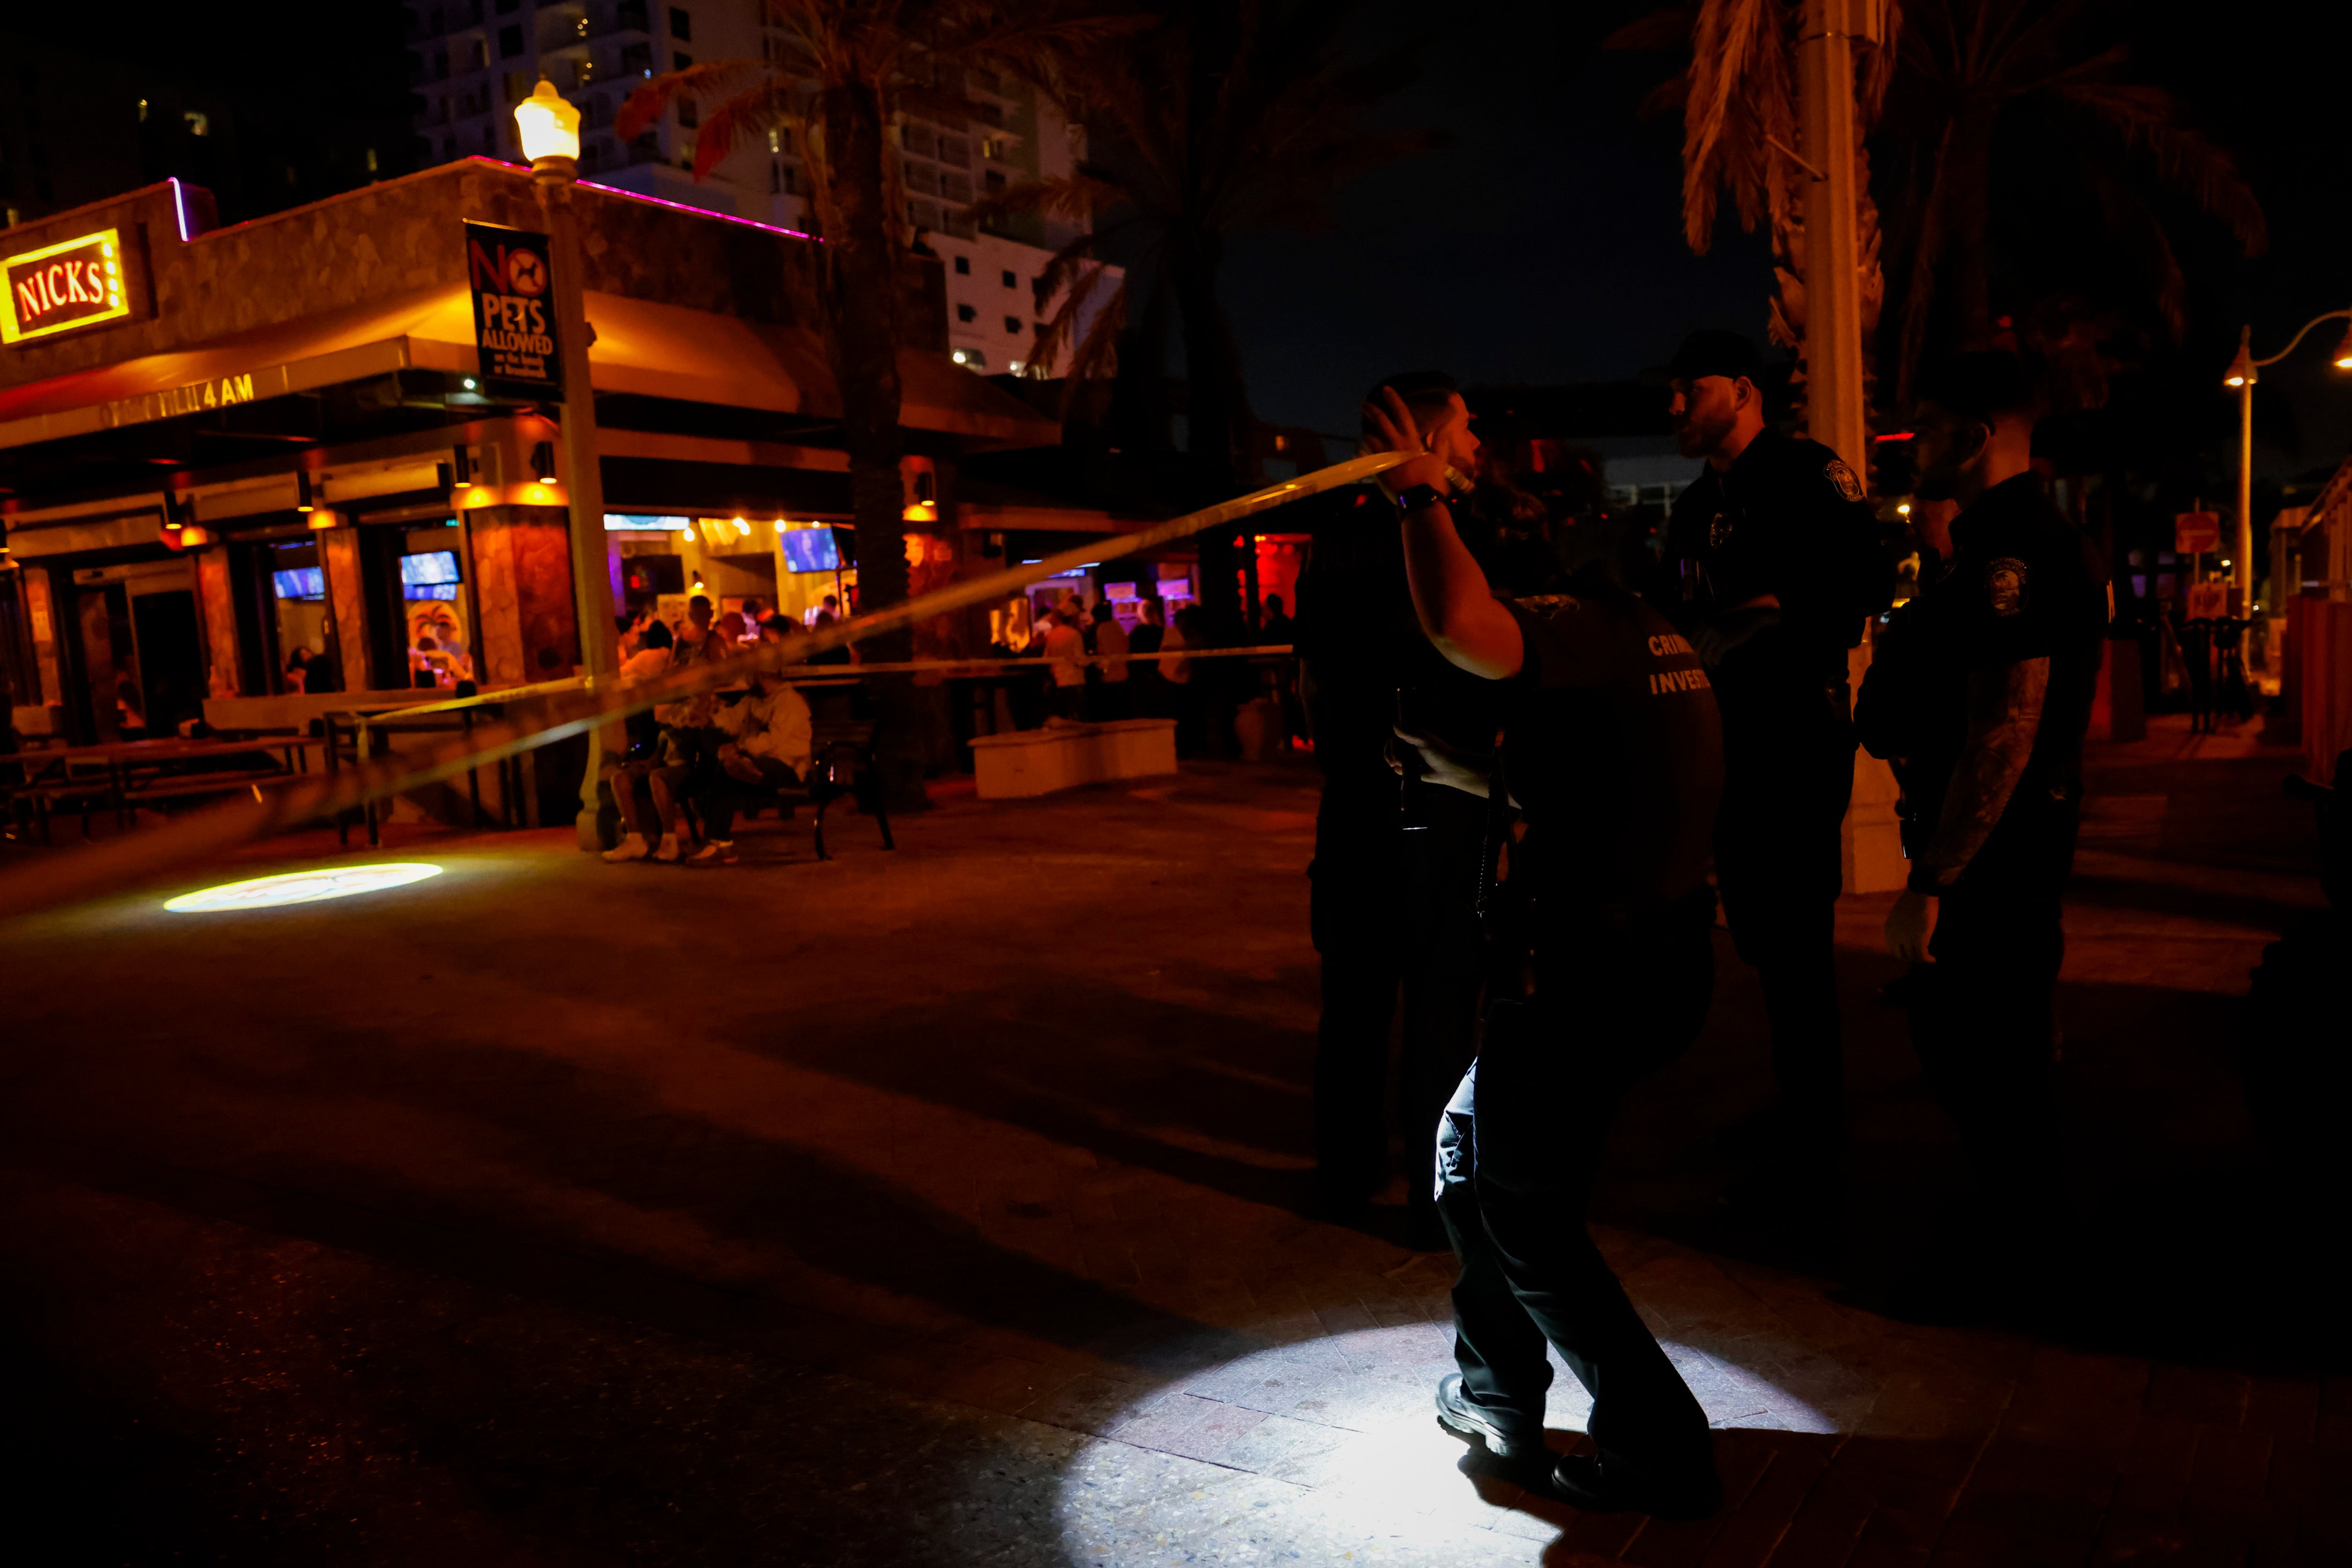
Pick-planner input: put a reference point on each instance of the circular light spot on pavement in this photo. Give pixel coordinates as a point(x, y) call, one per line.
point(301, 887)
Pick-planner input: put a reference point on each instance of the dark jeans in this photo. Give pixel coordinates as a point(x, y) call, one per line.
point(724, 794)
point(1392, 910)
point(1982, 1014)
point(1070, 702)
point(1517, 1156)
point(1788, 778)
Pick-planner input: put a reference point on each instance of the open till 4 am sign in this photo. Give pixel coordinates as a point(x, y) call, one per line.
point(513, 282)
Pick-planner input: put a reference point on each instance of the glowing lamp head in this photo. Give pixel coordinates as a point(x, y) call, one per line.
point(548, 126)
point(2343, 354)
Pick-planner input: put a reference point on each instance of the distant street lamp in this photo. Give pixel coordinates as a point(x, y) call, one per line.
point(550, 130)
point(2242, 376)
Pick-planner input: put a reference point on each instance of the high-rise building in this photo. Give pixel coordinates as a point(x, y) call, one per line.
point(475, 60)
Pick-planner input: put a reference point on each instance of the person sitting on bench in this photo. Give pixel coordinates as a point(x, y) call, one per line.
point(769, 745)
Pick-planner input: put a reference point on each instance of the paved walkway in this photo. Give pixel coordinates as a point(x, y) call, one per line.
point(945, 1207)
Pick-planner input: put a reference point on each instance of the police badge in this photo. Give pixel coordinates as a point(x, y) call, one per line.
point(1838, 475)
point(2005, 585)
point(1719, 529)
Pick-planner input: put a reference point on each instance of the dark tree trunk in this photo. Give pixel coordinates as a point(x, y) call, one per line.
point(862, 274)
point(1215, 410)
point(864, 283)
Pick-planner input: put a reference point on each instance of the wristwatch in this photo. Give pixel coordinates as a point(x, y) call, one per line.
point(1420, 495)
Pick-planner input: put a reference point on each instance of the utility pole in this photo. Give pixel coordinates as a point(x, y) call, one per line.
point(1836, 405)
point(1835, 412)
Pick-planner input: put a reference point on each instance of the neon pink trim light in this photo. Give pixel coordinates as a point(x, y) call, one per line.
point(661, 202)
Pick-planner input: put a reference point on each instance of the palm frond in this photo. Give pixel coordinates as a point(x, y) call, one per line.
point(2150, 118)
point(1666, 29)
point(718, 79)
point(746, 118)
point(2132, 220)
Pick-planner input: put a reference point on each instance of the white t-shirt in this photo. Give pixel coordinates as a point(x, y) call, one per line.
point(1065, 652)
point(1110, 645)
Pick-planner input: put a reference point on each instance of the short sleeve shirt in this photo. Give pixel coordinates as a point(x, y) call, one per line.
point(1614, 751)
point(2023, 585)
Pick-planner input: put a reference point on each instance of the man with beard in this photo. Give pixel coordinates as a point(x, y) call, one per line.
point(1772, 565)
point(1395, 873)
point(1980, 698)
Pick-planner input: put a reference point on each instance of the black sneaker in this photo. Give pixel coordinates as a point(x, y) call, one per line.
point(1464, 1420)
point(1602, 1486)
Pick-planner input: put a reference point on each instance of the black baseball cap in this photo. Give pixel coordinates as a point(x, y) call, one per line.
point(1712, 351)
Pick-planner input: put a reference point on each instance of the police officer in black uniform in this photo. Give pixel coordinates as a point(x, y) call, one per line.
point(1980, 696)
point(1772, 565)
point(1395, 872)
point(1613, 750)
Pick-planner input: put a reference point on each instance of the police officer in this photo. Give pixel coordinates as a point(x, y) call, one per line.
point(1772, 564)
point(1980, 698)
point(1395, 871)
point(1613, 751)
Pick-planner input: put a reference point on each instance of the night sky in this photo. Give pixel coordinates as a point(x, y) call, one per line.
point(1545, 245)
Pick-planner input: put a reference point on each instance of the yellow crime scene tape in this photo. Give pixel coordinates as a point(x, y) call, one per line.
point(573, 708)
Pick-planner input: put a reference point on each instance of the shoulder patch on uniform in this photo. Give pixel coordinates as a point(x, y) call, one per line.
point(1838, 475)
point(2005, 585)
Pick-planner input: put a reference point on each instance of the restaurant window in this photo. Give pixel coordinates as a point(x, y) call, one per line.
point(420, 615)
point(437, 608)
point(293, 587)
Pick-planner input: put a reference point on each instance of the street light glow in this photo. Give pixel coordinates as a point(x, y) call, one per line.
point(547, 125)
point(300, 887)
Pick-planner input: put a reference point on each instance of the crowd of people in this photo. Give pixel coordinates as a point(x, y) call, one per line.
point(1549, 750)
point(1091, 659)
point(694, 764)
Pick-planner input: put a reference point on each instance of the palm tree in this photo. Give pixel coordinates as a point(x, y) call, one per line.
point(1950, 76)
point(1971, 70)
point(842, 72)
point(1737, 100)
point(1225, 115)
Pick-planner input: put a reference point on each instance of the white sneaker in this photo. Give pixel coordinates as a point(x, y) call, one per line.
point(632, 848)
point(668, 852)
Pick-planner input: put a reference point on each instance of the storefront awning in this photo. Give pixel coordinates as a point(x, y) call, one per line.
point(642, 348)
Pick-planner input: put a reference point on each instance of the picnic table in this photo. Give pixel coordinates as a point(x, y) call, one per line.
point(126, 774)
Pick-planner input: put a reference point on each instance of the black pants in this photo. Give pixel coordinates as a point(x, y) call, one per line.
point(723, 795)
point(1788, 778)
point(1394, 914)
point(1518, 1153)
point(1982, 1018)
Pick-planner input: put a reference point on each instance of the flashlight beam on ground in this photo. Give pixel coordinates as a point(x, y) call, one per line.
point(135, 857)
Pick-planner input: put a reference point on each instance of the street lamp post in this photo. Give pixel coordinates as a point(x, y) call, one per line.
point(549, 130)
point(2243, 374)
